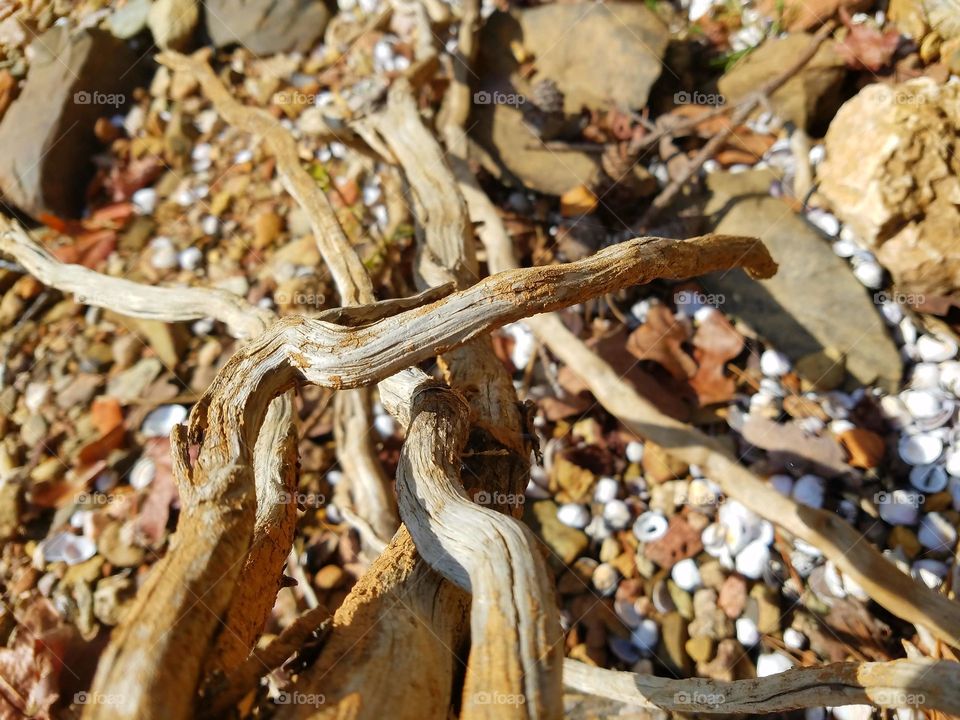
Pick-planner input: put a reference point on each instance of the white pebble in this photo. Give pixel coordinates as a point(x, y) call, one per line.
point(69, 548)
point(752, 560)
point(930, 572)
point(794, 639)
point(774, 363)
point(163, 256)
point(747, 633)
point(145, 201)
point(772, 664)
point(574, 515)
point(809, 490)
point(210, 224)
point(607, 489)
point(334, 477)
point(936, 533)
point(920, 449)
point(825, 221)
point(36, 395)
point(650, 526)
point(243, 156)
point(686, 575)
point(634, 451)
point(617, 514)
point(936, 349)
point(870, 274)
point(646, 635)
point(160, 421)
point(190, 258)
point(853, 712)
point(524, 344)
point(952, 461)
point(899, 507)
point(142, 474)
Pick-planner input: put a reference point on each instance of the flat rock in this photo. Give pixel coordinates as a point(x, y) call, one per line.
point(568, 43)
point(567, 542)
point(47, 134)
point(173, 23)
point(266, 27)
point(812, 94)
point(892, 173)
point(813, 302)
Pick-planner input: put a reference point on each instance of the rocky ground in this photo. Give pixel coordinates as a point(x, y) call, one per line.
point(838, 379)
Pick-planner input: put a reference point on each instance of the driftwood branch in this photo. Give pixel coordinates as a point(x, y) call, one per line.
point(914, 684)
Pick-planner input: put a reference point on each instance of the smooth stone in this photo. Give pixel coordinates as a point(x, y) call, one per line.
point(785, 310)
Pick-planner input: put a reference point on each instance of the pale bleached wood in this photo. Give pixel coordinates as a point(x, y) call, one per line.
point(515, 648)
point(918, 684)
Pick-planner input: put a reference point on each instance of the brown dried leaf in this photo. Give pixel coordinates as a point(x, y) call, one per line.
point(716, 342)
point(823, 455)
point(865, 47)
point(661, 339)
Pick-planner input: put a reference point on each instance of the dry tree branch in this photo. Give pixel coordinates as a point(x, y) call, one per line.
point(742, 112)
point(919, 684)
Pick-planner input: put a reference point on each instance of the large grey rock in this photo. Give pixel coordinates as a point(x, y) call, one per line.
point(266, 27)
point(811, 95)
point(892, 173)
point(568, 43)
point(47, 134)
point(814, 302)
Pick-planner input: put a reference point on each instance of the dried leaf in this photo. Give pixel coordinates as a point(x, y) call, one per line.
point(823, 455)
point(155, 512)
point(661, 339)
point(716, 343)
point(865, 47)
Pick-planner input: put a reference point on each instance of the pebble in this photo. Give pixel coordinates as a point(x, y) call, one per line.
point(210, 225)
point(606, 490)
point(783, 484)
point(936, 349)
point(190, 258)
point(145, 201)
point(794, 639)
point(650, 526)
point(142, 473)
point(160, 421)
point(686, 575)
point(898, 507)
point(772, 664)
point(624, 650)
point(853, 712)
point(774, 363)
point(936, 533)
point(809, 490)
point(574, 515)
point(36, 395)
point(617, 514)
point(385, 424)
point(929, 478)
point(645, 636)
point(752, 560)
point(605, 579)
point(69, 548)
point(163, 256)
point(634, 451)
point(920, 449)
point(747, 633)
point(869, 273)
